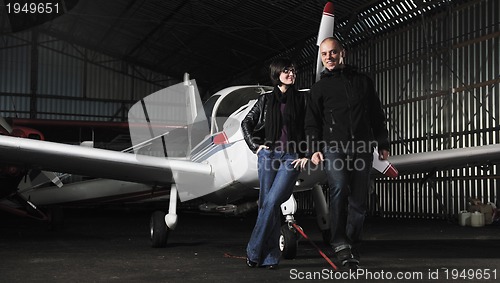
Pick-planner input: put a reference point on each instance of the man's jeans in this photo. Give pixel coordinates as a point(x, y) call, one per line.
point(277, 178)
point(348, 176)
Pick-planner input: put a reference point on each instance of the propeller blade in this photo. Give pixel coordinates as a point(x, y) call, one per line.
point(326, 28)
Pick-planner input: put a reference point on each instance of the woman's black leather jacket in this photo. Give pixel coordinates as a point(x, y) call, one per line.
point(253, 124)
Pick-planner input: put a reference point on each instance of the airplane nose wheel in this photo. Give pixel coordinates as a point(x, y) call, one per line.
point(288, 242)
point(158, 229)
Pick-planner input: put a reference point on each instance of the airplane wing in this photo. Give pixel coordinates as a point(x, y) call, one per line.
point(446, 159)
point(102, 163)
point(167, 125)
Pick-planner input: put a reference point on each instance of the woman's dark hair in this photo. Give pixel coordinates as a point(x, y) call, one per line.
point(277, 66)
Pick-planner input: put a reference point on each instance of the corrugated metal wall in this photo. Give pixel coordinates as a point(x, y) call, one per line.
point(46, 78)
point(15, 64)
point(439, 80)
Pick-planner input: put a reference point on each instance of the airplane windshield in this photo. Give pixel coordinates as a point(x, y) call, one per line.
point(238, 98)
point(209, 105)
point(235, 99)
point(169, 122)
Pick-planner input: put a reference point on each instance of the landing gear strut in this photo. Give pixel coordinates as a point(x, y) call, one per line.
point(288, 238)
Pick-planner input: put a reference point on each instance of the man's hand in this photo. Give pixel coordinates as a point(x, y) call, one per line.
point(383, 154)
point(317, 158)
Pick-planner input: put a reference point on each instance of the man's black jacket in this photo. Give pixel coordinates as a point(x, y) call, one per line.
point(343, 107)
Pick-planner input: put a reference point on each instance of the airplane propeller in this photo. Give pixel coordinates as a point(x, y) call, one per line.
point(326, 29)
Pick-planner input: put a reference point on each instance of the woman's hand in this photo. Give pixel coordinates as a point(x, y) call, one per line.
point(301, 162)
point(261, 147)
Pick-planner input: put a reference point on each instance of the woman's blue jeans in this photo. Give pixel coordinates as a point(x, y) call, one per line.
point(348, 176)
point(277, 178)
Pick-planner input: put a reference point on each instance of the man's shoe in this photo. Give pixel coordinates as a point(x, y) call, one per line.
point(344, 255)
point(355, 253)
point(272, 266)
point(353, 265)
point(346, 258)
point(251, 263)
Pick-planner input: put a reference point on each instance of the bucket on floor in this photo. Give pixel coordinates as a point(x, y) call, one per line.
point(464, 218)
point(477, 219)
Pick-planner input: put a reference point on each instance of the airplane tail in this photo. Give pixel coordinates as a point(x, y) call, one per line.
point(36, 178)
point(326, 29)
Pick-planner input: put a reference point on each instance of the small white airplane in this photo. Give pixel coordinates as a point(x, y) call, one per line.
point(183, 150)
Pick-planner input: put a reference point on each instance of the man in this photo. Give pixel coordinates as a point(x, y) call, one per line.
point(344, 122)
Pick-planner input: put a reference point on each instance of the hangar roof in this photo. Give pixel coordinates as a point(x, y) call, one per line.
point(218, 40)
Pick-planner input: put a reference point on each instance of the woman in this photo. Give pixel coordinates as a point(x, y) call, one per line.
point(274, 129)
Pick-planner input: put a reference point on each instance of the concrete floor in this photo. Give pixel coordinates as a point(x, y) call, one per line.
point(99, 245)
